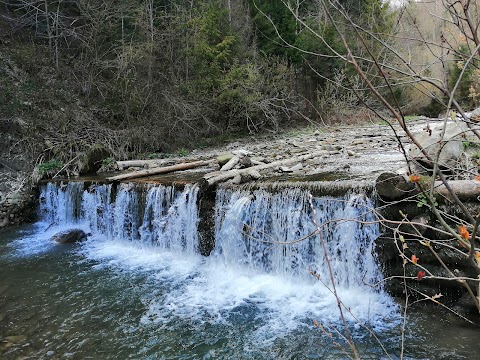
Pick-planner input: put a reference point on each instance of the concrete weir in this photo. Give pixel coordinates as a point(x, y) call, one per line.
point(267, 226)
point(73, 191)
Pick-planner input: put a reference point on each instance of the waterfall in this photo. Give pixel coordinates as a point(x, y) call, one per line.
point(264, 248)
point(269, 232)
point(152, 214)
point(275, 233)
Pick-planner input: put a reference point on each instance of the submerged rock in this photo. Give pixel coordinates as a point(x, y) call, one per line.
point(11, 341)
point(14, 338)
point(70, 236)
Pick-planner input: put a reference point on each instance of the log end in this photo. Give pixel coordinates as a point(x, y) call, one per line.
point(393, 186)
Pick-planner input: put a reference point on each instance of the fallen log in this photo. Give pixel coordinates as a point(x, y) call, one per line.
point(230, 164)
point(218, 177)
point(256, 162)
point(158, 170)
point(464, 189)
point(396, 187)
point(121, 165)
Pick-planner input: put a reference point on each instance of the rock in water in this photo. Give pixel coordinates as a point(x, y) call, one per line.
point(70, 236)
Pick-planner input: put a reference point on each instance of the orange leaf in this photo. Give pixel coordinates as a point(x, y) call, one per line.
point(414, 178)
point(415, 259)
point(462, 230)
point(477, 178)
point(420, 275)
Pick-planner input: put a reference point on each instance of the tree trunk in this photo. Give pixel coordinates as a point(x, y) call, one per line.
point(142, 163)
point(230, 164)
point(395, 187)
point(158, 170)
point(464, 189)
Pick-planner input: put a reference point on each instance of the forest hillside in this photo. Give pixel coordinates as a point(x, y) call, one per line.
point(84, 81)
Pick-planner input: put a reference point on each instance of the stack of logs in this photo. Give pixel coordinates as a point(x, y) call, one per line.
point(239, 167)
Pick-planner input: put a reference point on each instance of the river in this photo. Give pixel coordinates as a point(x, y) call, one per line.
point(138, 289)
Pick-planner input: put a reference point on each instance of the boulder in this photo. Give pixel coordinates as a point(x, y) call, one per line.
point(14, 198)
point(431, 140)
point(474, 115)
point(70, 236)
point(390, 185)
point(4, 222)
point(245, 162)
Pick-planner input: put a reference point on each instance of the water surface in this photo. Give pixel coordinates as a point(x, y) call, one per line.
point(139, 289)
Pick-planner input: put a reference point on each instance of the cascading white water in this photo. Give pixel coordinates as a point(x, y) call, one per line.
point(270, 232)
point(254, 229)
point(261, 262)
point(60, 204)
point(155, 214)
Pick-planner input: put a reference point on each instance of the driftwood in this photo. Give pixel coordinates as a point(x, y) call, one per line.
point(230, 164)
point(158, 170)
point(256, 162)
point(218, 177)
point(394, 186)
point(464, 189)
point(143, 163)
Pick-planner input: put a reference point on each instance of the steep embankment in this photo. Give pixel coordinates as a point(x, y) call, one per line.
point(40, 119)
point(15, 195)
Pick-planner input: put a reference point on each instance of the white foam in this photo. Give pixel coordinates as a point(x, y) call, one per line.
point(202, 290)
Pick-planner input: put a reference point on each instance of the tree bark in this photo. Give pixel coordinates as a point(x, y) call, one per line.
point(395, 187)
point(218, 177)
point(464, 189)
point(158, 170)
point(141, 163)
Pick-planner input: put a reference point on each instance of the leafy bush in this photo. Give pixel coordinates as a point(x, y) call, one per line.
point(107, 162)
point(49, 166)
point(182, 152)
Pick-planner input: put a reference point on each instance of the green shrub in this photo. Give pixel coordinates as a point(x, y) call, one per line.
point(49, 166)
point(182, 152)
point(107, 162)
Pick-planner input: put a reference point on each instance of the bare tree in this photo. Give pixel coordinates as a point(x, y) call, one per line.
point(48, 19)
